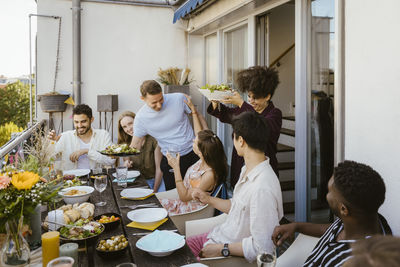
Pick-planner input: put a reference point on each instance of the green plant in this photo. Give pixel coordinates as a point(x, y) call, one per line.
point(14, 104)
point(6, 130)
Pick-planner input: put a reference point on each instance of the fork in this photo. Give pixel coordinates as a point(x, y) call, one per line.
point(149, 205)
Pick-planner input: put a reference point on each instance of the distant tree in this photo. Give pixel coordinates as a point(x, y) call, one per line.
point(14, 104)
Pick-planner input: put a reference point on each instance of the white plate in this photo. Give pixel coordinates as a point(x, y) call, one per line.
point(194, 265)
point(131, 174)
point(216, 95)
point(77, 172)
point(156, 252)
point(136, 192)
point(147, 215)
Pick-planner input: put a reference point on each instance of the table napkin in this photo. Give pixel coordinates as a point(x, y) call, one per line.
point(139, 198)
point(161, 241)
point(129, 180)
point(150, 227)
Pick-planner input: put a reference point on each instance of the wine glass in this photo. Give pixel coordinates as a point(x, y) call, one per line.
point(173, 150)
point(266, 259)
point(100, 184)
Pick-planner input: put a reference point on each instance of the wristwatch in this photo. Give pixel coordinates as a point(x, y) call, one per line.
point(225, 251)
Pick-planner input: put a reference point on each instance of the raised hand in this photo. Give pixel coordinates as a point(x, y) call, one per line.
point(189, 102)
point(53, 136)
point(236, 99)
point(172, 161)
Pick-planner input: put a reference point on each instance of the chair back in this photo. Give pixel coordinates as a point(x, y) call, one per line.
point(220, 191)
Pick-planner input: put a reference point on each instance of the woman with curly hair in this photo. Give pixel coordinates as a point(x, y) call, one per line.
point(259, 83)
point(148, 161)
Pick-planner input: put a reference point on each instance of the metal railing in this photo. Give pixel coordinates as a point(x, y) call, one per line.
point(18, 140)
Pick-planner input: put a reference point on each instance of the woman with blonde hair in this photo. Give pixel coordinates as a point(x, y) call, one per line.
point(148, 160)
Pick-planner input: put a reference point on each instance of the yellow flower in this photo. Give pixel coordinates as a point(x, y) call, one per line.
point(24, 180)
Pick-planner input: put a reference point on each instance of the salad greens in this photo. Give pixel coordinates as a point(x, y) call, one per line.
point(119, 149)
point(216, 87)
point(81, 229)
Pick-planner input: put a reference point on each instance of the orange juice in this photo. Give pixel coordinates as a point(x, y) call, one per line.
point(50, 246)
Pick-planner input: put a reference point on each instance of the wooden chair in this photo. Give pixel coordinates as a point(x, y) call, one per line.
point(205, 225)
point(298, 252)
point(204, 212)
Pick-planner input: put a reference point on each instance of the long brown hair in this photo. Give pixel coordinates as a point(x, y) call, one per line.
point(123, 137)
point(214, 155)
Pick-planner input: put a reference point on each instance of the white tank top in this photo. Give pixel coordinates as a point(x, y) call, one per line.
point(83, 161)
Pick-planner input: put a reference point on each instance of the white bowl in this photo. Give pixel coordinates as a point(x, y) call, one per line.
point(78, 198)
point(160, 252)
point(216, 95)
point(147, 216)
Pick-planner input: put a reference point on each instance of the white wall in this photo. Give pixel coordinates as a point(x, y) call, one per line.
point(372, 94)
point(122, 45)
point(281, 26)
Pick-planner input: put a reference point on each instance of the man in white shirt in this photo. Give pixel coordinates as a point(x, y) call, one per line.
point(165, 118)
point(79, 147)
point(256, 206)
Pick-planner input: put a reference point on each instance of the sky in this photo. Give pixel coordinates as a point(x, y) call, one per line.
point(14, 40)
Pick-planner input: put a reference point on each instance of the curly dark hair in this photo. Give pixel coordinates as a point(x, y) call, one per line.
point(361, 186)
point(259, 80)
point(253, 128)
point(82, 109)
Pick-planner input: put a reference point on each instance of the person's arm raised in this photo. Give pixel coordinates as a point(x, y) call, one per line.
point(199, 123)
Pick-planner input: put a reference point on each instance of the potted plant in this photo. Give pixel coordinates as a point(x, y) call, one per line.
point(172, 84)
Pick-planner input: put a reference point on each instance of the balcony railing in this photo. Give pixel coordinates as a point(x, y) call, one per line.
point(17, 141)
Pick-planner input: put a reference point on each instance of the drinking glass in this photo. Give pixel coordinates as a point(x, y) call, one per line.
point(173, 150)
point(100, 184)
point(98, 169)
point(122, 173)
point(61, 262)
point(266, 259)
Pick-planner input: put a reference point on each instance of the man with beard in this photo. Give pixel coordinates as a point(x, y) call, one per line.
point(355, 193)
point(79, 147)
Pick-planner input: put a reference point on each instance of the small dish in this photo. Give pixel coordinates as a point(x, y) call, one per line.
point(136, 192)
point(80, 198)
point(147, 216)
point(110, 225)
point(111, 253)
point(161, 243)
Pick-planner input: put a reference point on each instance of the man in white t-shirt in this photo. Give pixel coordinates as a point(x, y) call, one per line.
point(79, 147)
point(165, 118)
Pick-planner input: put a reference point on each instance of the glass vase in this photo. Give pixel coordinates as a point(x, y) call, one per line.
point(15, 250)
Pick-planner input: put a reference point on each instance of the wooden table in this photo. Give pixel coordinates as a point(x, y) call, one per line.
point(112, 196)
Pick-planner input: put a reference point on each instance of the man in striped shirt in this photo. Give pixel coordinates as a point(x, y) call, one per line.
point(355, 193)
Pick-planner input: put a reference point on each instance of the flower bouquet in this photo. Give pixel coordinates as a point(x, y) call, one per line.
point(22, 189)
